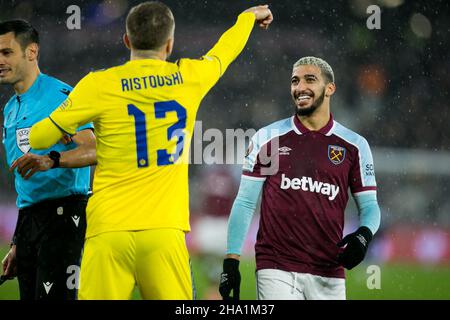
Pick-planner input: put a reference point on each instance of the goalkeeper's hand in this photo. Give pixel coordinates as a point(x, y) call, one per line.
point(230, 279)
point(355, 251)
point(263, 15)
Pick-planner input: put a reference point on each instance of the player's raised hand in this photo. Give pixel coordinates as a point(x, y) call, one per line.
point(263, 15)
point(230, 279)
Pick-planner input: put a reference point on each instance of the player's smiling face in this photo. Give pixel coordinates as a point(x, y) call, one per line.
point(307, 89)
point(12, 59)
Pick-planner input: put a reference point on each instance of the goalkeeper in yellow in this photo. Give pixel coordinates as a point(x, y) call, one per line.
point(143, 114)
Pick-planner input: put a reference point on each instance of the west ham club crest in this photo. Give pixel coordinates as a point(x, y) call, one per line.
point(336, 154)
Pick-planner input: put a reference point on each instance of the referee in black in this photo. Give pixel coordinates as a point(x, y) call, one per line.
point(52, 185)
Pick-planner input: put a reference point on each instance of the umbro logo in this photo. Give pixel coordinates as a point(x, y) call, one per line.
point(76, 220)
point(47, 286)
point(284, 151)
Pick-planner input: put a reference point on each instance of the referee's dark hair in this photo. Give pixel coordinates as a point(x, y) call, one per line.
point(24, 32)
point(149, 25)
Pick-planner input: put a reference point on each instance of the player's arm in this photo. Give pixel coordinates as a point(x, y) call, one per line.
point(238, 224)
point(44, 134)
point(80, 107)
point(81, 156)
point(233, 41)
point(357, 242)
point(9, 262)
point(241, 214)
point(363, 186)
point(84, 154)
point(369, 211)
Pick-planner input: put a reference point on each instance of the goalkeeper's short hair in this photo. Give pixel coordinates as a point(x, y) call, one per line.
point(324, 67)
point(149, 25)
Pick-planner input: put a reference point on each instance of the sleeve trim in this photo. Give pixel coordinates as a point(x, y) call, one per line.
point(372, 190)
point(92, 129)
point(59, 127)
point(254, 178)
point(220, 63)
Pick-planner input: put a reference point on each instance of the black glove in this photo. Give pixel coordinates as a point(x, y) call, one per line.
point(357, 244)
point(230, 279)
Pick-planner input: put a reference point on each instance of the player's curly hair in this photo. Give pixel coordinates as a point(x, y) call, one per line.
point(324, 67)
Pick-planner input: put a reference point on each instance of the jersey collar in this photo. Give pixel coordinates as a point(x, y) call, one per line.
point(146, 61)
point(33, 89)
point(301, 129)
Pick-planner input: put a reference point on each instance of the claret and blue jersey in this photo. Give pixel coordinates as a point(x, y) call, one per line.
point(306, 177)
point(19, 114)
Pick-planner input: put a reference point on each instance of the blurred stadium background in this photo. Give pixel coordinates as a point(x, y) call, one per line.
point(392, 87)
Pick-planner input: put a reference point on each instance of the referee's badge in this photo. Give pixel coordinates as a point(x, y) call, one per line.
point(336, 154)
point(23, 139)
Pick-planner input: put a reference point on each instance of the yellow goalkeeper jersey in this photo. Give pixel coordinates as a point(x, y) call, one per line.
point(143, 114)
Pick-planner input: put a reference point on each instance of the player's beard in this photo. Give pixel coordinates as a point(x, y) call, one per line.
point(310, 110)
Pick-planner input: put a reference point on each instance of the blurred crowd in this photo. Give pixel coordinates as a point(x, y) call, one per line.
point(392, 83)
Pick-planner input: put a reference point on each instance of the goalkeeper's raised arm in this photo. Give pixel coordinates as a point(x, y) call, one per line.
point(206, 73)
point(234, 39)
point(135, 108)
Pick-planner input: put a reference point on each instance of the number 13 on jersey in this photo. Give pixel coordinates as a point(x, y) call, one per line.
point(176, 130)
